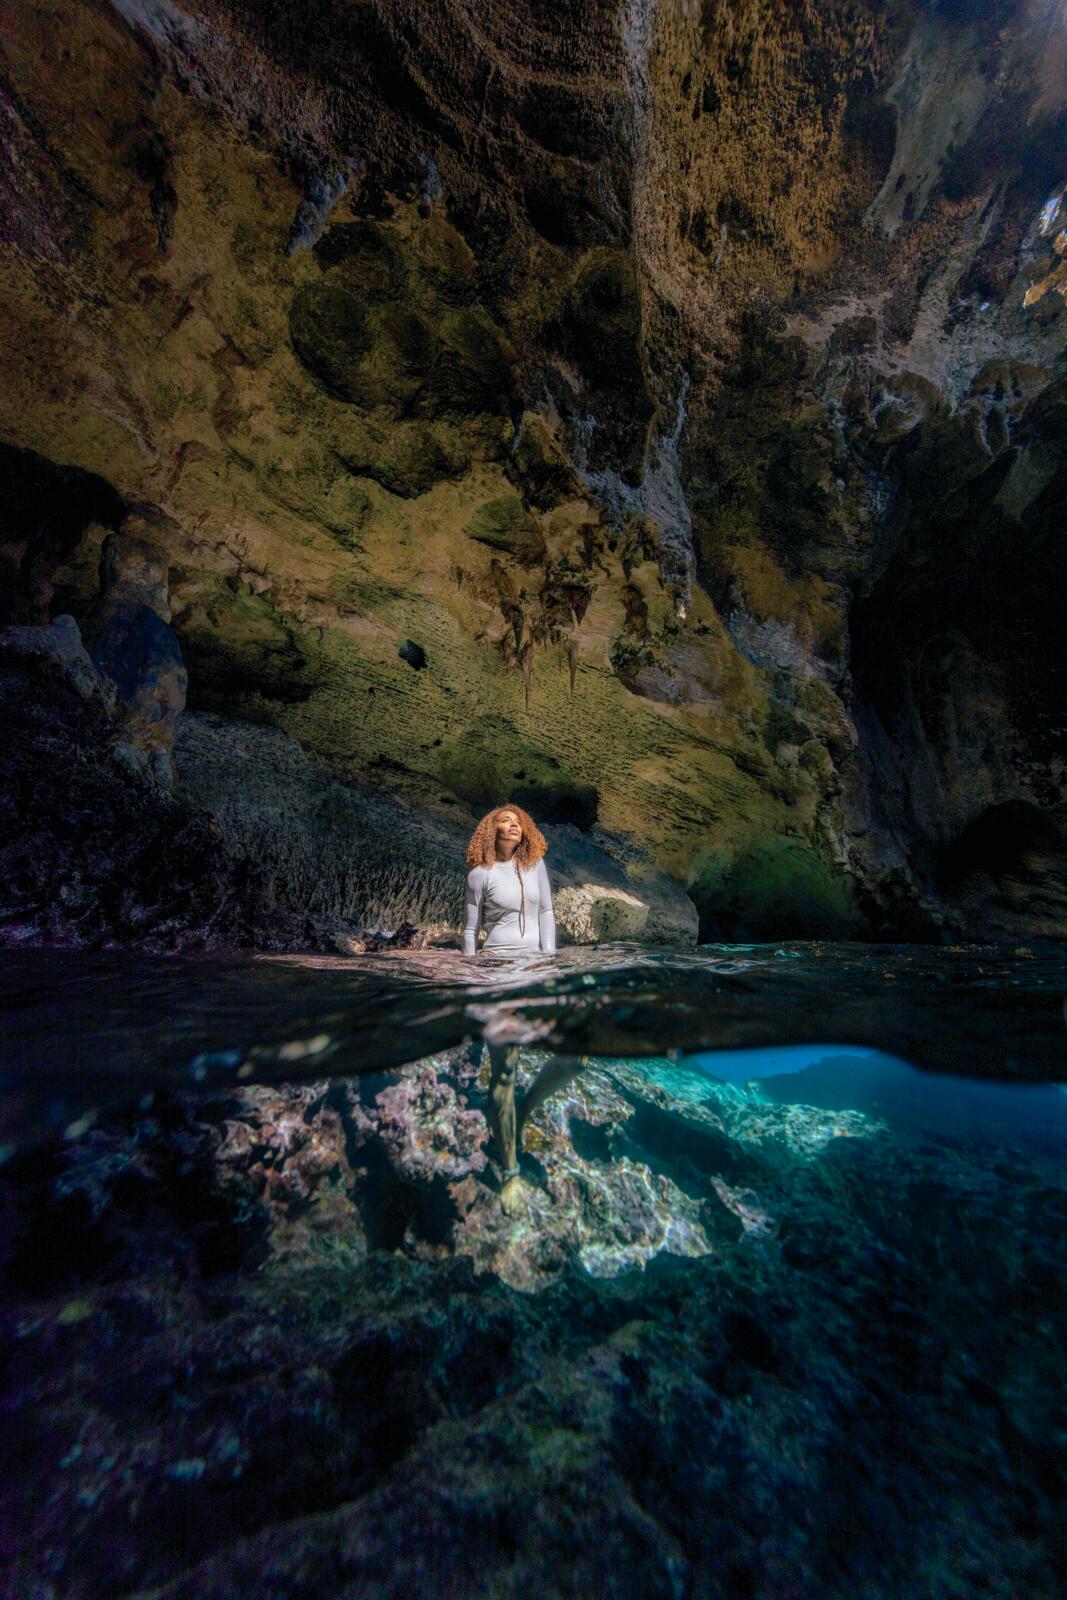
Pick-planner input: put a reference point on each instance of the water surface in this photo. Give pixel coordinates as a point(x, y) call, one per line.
point(87, 1030)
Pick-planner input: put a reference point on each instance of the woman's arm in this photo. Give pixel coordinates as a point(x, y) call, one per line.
point(546, 918)
point(475, 886)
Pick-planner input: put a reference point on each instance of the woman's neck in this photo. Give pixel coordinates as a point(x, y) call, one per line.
point(504, 852)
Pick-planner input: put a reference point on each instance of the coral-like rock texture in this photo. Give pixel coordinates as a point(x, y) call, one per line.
point(284, 1341)
point(652, 414)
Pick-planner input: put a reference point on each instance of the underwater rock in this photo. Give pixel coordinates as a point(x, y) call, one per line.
point(282, 1158)
point(425, 1129)
point(608, 1215)
point(242, 1352)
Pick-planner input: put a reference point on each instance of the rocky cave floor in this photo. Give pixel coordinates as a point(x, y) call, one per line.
point(285, 1343)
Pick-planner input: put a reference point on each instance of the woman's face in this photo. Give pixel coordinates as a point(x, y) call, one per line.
point(508, 830)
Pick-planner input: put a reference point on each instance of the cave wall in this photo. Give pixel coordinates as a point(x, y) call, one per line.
point(645, 412)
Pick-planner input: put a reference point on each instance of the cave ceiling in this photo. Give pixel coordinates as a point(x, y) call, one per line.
point(654, 408)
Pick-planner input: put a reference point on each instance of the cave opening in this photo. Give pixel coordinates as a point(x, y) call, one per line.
point(559, 802)
point(47, 506)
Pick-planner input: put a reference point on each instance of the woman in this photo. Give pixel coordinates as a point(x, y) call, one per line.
point(507, 887)
point(508, 893)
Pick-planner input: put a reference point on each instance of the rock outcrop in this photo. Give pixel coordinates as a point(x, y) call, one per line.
point(92, 850)
point(345, 850)
point(54, 650)
point(649, 414)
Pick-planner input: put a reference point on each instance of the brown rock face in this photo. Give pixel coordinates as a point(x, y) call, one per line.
point(653, 413)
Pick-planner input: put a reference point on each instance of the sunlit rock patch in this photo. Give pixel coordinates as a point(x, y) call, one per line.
point(631, 1160)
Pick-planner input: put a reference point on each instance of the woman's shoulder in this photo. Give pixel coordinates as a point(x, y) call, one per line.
point(477, 875)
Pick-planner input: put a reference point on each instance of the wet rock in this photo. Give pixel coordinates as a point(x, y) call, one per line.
point(607, 1215)
point(426, 1131)
point(284, 1155)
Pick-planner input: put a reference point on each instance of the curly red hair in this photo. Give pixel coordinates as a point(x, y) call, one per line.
point(481, 852)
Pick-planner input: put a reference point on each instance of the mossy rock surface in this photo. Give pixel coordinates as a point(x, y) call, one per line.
point(330, 332)
point(363, 257)
point(408, 458)
point(540, 464)
point(445, 260)
point(395, 370)
point(774, 888)
point(505, 524)
point(472, 370)
point(491, 764)
point(238, 646)
point(372, 356)
point(782, 727)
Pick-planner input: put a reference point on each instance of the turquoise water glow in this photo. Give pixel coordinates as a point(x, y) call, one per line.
point(1030, 1117)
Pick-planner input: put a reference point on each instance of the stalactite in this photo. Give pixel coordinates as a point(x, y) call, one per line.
point(526, 663)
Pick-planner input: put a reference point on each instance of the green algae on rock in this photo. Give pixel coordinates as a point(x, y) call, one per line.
point(505, 524)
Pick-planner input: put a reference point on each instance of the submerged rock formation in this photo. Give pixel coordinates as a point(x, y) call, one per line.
point(649, 414)
point(285, 1342)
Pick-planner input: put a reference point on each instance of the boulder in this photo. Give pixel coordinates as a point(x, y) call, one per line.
point(593, 912)
point(605, 889)
point(57, 649)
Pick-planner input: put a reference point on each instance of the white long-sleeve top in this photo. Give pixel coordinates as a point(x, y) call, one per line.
point(493, 902)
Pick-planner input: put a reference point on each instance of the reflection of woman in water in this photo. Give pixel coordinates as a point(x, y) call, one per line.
point(508, 893)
